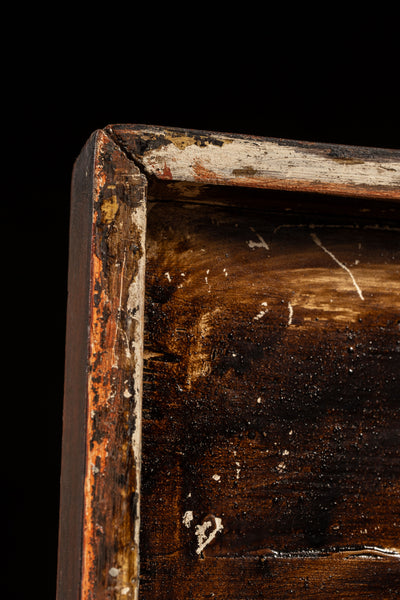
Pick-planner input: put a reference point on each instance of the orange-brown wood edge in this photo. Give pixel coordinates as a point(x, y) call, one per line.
point(99, 512)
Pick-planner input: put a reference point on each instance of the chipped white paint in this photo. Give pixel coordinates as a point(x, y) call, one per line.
point(262, 312)
point(168, 276)
point(225, 272)
point(216, 477)
point(290, 307)
point(258, 161)
point(135, 330)
point(238, 470)
point(187, 518)
point(259, 400)
point(318, 242)
point(113, 572)
point(281, 467)
point(125, 591)
point(202, 538)
point(285, 452)
point(260, 244)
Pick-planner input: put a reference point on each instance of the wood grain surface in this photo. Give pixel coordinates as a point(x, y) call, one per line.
point(176, 154)
point(271, 464)
point(232, 415)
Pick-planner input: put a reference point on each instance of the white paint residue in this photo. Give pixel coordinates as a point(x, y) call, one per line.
point(285, 452)
point(202, 539)
point(238, 470)
point(187, 518)
point(206, 279)
point(216, 477)
point(290, 307)
point(259, 400)
point(113, 572)
point(125, 591)
point(317, 241)
point(168, 276)
point(262, 312)
point(261, 244)
point(226, 273)
point(281, 467)
point(286, 161)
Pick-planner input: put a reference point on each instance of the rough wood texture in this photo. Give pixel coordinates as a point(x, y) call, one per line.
point(172, 154)
point(103, 389)
point(271, 412)
point(269, 316)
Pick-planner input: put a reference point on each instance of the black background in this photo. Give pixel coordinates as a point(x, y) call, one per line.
point(276, 76)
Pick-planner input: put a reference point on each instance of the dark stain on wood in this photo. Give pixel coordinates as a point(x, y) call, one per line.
point(274, 406)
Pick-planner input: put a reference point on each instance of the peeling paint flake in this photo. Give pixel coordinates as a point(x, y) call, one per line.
point(187, 518)
point(202, 538)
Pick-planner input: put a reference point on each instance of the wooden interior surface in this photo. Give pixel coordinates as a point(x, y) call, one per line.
point(271, 412)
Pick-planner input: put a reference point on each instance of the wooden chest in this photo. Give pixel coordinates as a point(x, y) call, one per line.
point(232, 390)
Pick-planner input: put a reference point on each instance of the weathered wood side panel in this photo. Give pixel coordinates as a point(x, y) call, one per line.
point(75, 387)
point(105, 388)
point(271, 414)
point(174, 154)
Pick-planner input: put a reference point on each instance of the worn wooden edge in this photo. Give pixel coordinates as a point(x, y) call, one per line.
point(75, 392)
point(177, 154)
point(98, 553)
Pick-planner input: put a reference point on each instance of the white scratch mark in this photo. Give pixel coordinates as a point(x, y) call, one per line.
point(202, 539)
point(187, 518)
point(261, 244)
point(317, 241)
point(168, 276)
point(290, 307)
point(262, 312)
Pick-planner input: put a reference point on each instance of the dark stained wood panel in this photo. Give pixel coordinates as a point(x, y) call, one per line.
point(271, 464)
point(236, 300)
